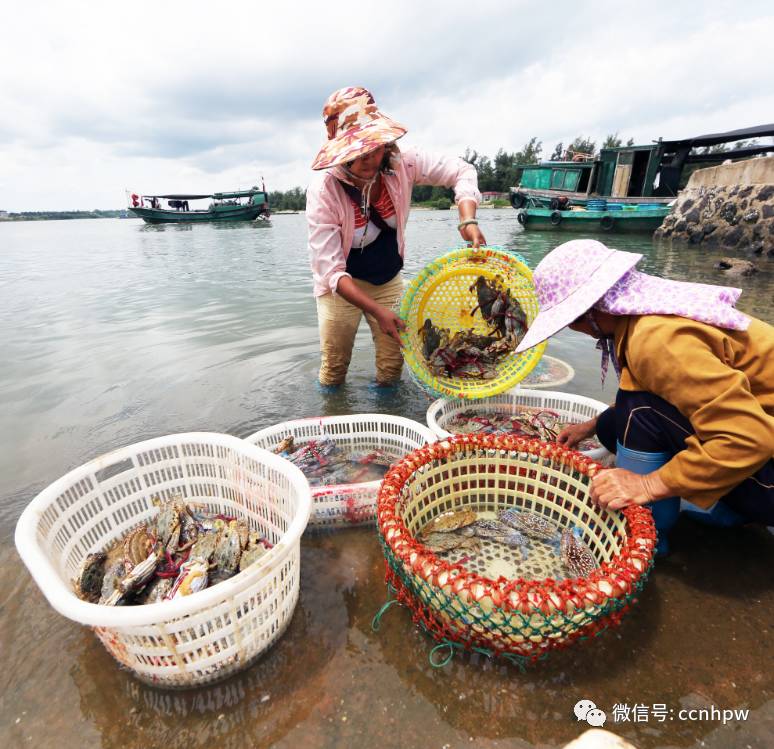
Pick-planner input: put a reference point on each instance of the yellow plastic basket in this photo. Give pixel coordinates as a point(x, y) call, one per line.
point(441, 292)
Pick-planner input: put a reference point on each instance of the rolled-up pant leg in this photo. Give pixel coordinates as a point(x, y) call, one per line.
point(337, 320)
point(389, 358)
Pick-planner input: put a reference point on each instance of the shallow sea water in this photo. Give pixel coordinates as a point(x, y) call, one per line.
point(113, 332)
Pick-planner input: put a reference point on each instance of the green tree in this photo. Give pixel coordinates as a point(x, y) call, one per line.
point(507, 169)
point(612, 141)
point(421, 193)
point(630, 142)
point(558, 152)
point(530, 153)
point(290, 200)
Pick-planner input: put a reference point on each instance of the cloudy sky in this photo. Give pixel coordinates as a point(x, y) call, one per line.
point(203, 96)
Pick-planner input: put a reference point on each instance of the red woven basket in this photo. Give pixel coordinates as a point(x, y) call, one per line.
point(519, 617)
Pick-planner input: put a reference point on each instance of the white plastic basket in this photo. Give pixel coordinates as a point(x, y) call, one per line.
point(348, 504)
point(205, 636)
point(574, 408)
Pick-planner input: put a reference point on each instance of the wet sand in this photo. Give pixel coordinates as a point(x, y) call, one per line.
point(700, 635)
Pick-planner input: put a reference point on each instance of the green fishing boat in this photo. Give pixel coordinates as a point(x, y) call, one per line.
point(621, 219)
point(240, 205)
point(629, 175)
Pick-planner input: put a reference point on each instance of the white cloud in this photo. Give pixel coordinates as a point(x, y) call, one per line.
point(160, 97)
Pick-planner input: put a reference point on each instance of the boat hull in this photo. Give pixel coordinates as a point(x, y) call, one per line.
point(520, 194)
point(222, 213)
point(615, 222)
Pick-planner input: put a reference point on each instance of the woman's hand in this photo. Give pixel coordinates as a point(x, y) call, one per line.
point(389, 322)
point(616, 488)
point(572, 434)
point(471, 233)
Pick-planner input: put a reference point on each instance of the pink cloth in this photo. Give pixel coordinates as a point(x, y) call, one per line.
point(584, 273)
point(331, 220)
point(640, 294)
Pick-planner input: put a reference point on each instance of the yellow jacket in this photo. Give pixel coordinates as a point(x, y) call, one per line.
point(721, 380)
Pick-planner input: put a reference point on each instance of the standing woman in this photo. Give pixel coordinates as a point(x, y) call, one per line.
point(357, 208)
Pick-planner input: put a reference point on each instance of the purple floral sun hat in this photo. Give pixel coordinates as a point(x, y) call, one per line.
point(584, 273)
point(570, 280)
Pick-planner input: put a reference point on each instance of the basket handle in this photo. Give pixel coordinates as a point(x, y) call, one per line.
point(113, 469)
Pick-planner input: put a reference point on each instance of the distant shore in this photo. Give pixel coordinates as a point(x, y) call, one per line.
point(60, 215)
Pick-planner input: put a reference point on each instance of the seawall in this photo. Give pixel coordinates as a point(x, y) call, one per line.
point(729, 206)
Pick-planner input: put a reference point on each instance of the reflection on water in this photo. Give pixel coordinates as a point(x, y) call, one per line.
point(255, 708)
point(116, 331)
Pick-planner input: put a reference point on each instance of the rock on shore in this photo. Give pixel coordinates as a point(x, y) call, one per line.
point(729, 206)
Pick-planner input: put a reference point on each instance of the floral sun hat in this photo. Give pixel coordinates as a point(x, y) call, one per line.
point(570, 280)
point(584, 273)
point(355, 127)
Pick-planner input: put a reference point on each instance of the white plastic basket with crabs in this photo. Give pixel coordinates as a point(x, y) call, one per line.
point(539, 413)
point(346, 504)
point(207, 635)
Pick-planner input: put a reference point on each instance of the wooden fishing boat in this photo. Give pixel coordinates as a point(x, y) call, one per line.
point(627, 219)
point(629, 175)
point(240, 205)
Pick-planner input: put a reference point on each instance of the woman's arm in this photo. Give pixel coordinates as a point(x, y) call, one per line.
point(449, 171)
point(469, 230)
point(326, 254)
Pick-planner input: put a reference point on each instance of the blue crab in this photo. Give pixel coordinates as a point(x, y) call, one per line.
point(501, 533)
point(577, 557)
point(531, 524)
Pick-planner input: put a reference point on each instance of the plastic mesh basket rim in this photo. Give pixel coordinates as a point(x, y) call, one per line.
point(437, 410)
point(364, 491)
point(352, 419)
point(612, 582)
point(488, 261)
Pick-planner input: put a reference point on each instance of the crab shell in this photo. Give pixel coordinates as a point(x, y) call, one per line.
point(286, 446)
point(535, 526)
point(193, 577)
point(253, 554)
point(449, 521)
point(576, 555)
point(137, 546)
point(168, 522)
point(227, 552)
point(88, 584)
point(441, 543)
point(205, 545)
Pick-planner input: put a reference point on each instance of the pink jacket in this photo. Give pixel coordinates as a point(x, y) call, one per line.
point(331, 219)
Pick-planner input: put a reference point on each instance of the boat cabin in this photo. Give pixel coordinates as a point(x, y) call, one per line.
point(627, 171)
point(650, 173)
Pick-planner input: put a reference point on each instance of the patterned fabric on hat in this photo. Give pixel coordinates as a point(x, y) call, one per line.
point(640, 294)
point(574, 265)
point(355, 126)
point(584, 273)
point(348, 108)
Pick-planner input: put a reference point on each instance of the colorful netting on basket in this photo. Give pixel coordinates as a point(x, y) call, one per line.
point(441, 292)
point(519, 618)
